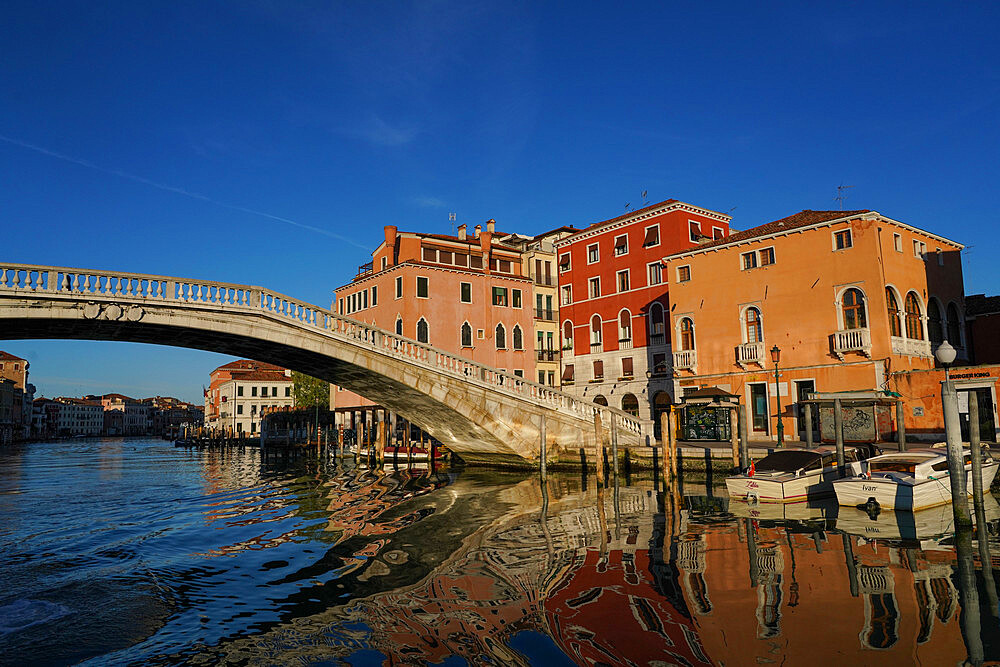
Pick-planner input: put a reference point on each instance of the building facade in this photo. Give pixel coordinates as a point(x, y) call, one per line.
point(240, 392)
point(846, 299)
point(79, 416)
point(463, 294)
point(15, 369)
point(614, 307)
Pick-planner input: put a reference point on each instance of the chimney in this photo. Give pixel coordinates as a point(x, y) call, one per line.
point(491, 225)
point(390, 244)
point(479, 229)
point(461, 232)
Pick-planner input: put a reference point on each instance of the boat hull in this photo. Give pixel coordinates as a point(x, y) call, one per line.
point(905, 495)
point(785, 489)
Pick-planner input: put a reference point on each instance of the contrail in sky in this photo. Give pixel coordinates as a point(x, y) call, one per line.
point(170, 188)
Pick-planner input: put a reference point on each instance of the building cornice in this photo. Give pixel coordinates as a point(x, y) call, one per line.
point(640, 216)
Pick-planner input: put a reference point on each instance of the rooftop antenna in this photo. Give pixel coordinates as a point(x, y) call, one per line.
point(452, 217)
point(645, 202)
point(628, 206)
point(842, 194)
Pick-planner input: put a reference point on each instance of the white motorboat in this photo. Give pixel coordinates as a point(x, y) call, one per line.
point(900, 525)
point(794, 475)
point(908, 480)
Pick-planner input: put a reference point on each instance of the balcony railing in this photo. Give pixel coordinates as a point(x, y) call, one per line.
point(365, 269)
point(686, 359)
point(851, 340)
point(545, 281)
point(547, 355)
point(567, 345)
point(624, 343)
point(750, 353)
point(911, 348)
point(544, 314)
point(657, 339)
point(597, 347)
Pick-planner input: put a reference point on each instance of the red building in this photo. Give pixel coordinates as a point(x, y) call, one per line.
point(613, 302)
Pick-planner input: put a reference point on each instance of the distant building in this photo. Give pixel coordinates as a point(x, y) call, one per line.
point(137, 418)
point(16, 369)
point(239, 392)
point(982, 317)
point(78, 416)
point(7, 423)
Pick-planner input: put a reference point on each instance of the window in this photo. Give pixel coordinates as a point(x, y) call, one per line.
point(892, 309)
point(564, 262)
point(897, 242)
point(914, 326)
point(754, 329)
point(421, 287)
point(624, 327)
point(919, 249)
point(593, 254)
point(940, 257)
point(595, 331)
point(239, 409)
point(515, 298)
point(659, 363)
point(518, 338)
point(594, 286)
point(476, 261)
point(853, 306)
point(656, 324)
point(567, 374)
point(687, 333)
point(935, 327)
point(399, 326)
point(253, 391)
point(566, 295)
point(288, 392)
point(399, 287)
point(842, 239)
point(621, 245)
point(385, 262)
point(694, 231)
point(567, 335)
point(444, 256)
point(630, 404)
point(954, 326)
point(364, 299)
point(623, 281)
point(499, 296)
point(466, 293)
point(683, 273)
point(374, 295)
point(423, 335)
point(749, 260)
point(239, 390)
point(518, 372)
point(501, 337)
point(766, 256)
point(627, 368)
point(429, 254)
point(598, 369)
point(466, 335)
point(718, 233)
point(652, 236)
point(541, 377)
point(654, 273)
point(480, 334)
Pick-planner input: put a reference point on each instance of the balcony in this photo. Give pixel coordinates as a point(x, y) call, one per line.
point(908, 347)
point(364, 270)
point(567, 345)
point(657, 339)
point(547, 355)
point(545, 281)
point(596, 347)
point(750, 353)
point(625, 343)
point(544, 314)
point(851, 340)
point(686, 360)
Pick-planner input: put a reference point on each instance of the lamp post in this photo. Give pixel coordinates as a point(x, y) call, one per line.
point(776, 357)
point(945, 354)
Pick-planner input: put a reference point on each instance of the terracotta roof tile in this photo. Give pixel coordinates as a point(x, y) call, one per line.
point(630, 214)
point(6, 356)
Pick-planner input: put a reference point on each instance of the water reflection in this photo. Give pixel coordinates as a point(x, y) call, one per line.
point(221, 558)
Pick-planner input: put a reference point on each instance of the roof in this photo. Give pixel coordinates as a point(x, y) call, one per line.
point(7, 356)
point(630, 214)
point(980, 304)
point(800, 219)
point(266, 375)
point(248, 364)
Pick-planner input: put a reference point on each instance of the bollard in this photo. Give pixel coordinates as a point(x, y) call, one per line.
point(808, 408)
point(838, 427)
point(900, 426)
point(598, 449)
point(956, 463)
point(744, 439)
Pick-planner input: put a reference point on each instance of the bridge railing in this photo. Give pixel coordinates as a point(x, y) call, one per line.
point(145, 288)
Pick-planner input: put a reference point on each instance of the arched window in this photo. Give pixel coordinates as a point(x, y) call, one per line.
point(625, 326)
point(518, 337)
point(914, 327)
point(423, 335)
point(754, 330)
point(954, 326)
point(600, 400)
point(630, 404)
point(399, 326)
point(935, 328)
point(466, 335)
point(853, 304)
point(567, 335)
point(656, 324)
point(501, 337)
point(661, 404)
point(595, 330)
point(892, 308)
point(687, 334)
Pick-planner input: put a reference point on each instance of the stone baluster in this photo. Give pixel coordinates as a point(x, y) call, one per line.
point(38, 281)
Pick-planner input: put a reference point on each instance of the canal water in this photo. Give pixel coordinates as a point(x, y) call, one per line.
point(134, 552)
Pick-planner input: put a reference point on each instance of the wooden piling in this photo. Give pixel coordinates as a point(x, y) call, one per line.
point(744, 438)
point(613, 423)
point(900, 426)
point(734, 436)
point(956, 459)
point(665, 462)
point(808, 409)
point(380, 444)
point(977, 462)
point(542, 448)
point(838, 428)
point(599, 449)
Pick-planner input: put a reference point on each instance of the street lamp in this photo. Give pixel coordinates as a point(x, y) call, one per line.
point(946, 355)
point(776, 357)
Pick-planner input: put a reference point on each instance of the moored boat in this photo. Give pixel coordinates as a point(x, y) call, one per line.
point(794, 475)
point(908, 481)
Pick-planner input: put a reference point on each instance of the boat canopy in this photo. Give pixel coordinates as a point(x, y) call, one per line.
point(789, 461)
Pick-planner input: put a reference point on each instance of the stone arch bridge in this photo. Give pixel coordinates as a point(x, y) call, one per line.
point(479, 412)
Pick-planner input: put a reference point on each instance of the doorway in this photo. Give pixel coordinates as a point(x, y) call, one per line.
point(802, 390)
point(758, 408)
point(984, 397)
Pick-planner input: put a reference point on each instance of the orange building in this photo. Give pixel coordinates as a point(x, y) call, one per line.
point(848, 297)
point(467, 295)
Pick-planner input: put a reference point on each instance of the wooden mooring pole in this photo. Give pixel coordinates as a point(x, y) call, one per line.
point(599, 449)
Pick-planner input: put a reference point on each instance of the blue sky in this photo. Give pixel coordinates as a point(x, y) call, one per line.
point(269, 142)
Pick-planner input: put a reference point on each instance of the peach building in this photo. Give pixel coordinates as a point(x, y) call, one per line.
point(468, 295)
point(848, 297)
